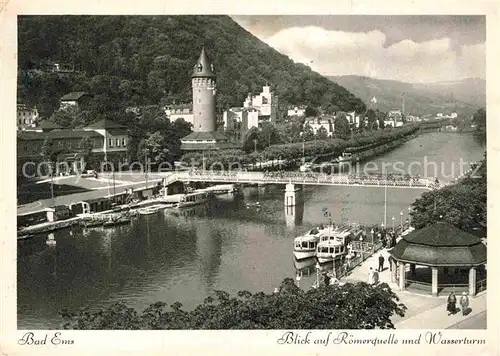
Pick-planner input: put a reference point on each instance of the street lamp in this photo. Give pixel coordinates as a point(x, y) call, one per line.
point(393, 220)
point(372, 233)
point(401, 215)
point(409, 216)
point(298, 279)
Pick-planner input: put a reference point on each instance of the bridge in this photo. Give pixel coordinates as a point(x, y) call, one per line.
point(309, 178)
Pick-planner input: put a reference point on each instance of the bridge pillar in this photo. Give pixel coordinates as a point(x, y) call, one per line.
point(290, 195)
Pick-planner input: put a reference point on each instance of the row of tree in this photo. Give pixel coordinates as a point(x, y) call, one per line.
point(294, 151)
point(351, 306)
point(462, 204)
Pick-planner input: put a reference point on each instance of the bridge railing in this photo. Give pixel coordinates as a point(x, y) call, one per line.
point(306, 178)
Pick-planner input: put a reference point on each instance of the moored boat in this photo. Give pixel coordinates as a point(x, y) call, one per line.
point(304, 246)
point(194, 198)
point(329, 250)
point(148, 210)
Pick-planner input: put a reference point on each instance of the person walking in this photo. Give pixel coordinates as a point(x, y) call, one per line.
point(390, 259)
point(464, 302)
point(451, 306)
point(370, 276)
point(381, 260)
point(375, 277)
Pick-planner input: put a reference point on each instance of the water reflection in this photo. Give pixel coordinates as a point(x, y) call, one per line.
point(183, 255)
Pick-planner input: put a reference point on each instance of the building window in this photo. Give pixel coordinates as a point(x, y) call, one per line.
point(117, 141)
point(110, 142)
point(25, 121)
point(124, 142)
point(20, 121)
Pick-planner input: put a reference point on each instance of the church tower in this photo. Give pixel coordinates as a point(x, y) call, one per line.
point(204, 81)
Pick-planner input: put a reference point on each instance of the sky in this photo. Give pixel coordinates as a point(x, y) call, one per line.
point(415, 49)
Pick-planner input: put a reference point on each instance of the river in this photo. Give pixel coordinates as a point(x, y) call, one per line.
point(224, 245)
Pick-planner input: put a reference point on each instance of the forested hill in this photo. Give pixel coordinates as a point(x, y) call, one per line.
point(141, 60)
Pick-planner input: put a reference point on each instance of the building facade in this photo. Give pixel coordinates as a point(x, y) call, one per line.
point(299, 111)
point(26, 117)
point(108, 142)
point(74, 99)
point(184, 112)
point(266, 103)
point(238, 121)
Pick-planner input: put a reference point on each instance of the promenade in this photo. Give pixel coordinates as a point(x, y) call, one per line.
point(94, 188)
point(424, 311)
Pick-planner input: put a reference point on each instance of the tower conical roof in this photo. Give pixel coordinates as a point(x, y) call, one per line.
point(203, 67)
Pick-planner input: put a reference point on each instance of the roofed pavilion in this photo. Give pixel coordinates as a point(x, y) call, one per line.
point(439, 247)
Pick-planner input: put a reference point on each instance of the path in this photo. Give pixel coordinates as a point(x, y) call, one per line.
point(424, 311)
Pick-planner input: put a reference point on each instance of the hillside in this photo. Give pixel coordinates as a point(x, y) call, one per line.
point(141, 60)
point(470, 90)
point(419, 99)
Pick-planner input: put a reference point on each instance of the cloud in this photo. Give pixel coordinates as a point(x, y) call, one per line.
point(367, 53)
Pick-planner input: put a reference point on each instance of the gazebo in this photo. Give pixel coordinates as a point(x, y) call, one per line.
point(436, 249)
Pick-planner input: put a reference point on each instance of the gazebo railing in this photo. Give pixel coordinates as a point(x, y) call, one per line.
point(453, 287)
point(481, 285)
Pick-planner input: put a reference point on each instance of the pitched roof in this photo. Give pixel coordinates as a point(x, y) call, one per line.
point(203, 68)
point(201, 136)
point(76, 95)
point(441, 234)
point(440, 244)
point(104, 124)
point(56, 134)
point(48, 124)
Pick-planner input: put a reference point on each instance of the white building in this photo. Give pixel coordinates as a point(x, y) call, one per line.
point(26, 117)
point(184, 112)
point(266, 103)
point(299, 111)
point(318, 122)
point(240, 121)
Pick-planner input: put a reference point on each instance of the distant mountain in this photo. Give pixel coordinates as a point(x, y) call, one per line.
point(141, 60)
point(463, 97)
point(470, 90)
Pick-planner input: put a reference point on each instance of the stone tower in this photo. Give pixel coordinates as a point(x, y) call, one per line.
point(204, 81)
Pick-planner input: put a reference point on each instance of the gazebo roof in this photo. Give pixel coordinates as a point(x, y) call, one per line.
point(440, 244)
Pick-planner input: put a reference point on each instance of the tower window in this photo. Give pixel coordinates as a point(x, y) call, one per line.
point(200, 67)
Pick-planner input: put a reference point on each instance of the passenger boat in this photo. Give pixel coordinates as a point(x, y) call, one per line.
point(304, 246)
point(148, 210)
point(329, 250)
point(333, 245)
point(191, 199)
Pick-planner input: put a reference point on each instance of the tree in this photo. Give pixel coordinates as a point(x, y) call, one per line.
point(342, 127)
point(479, 119)
point(154, 148)
point(321, 134)
point(86, 145)
point(372, 119)
point(351, 306)
point(308, 133)
point(462, 205)
point(250, 139)
point(311, 111)
point(268, 135)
